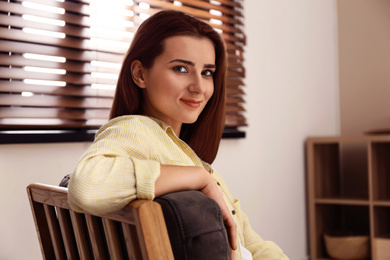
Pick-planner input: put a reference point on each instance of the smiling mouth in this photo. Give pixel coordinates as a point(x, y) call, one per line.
point(191, 103)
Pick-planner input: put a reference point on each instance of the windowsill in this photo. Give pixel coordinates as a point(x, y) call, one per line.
point(64, 136)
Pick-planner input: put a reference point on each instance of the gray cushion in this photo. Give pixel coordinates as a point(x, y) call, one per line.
point(195, 226)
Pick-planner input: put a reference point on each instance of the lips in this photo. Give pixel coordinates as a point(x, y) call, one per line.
point(191, 102)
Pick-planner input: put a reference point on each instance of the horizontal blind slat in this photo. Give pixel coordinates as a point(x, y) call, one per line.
point(79, 91)
point(54, 101)
point(77, 55)
point(80, 44)
point(195, 12)
point(32, 112)
point(69, 66)
point(17, 8)
point(79, 8)
point(51, 123)
point(72, 78)
point(75, 31)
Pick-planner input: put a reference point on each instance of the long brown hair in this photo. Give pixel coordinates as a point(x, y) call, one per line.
point(205, 134)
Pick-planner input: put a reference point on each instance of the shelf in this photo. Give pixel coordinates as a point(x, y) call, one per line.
point(339, 219)
point(382, 222)
point(348, 190)
point(343, 201)
point(381, 170)
point(384, 203)
point(339, 170)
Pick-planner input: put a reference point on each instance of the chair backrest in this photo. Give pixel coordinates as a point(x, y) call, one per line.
point(138, 231)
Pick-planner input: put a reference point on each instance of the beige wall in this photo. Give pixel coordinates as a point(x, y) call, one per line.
point(292, 93)
point(364, 63)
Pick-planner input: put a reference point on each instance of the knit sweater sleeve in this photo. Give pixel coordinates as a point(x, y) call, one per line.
point(115, 170)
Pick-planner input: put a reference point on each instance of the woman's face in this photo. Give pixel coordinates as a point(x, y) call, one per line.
point(180, 83)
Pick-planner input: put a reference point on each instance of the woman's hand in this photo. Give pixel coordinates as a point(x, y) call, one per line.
point(212, 191)
point(178, 178)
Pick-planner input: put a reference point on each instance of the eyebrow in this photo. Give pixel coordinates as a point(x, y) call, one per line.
point(208, 66)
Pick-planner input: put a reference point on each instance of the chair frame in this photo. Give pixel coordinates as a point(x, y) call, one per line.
point(137, 231)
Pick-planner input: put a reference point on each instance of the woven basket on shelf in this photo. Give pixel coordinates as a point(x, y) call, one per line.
point(347, 247)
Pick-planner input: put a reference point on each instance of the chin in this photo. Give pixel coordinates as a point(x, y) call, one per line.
point(190, 120)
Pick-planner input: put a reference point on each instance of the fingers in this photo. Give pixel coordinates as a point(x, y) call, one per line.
point(232, 231)
point(212, 191)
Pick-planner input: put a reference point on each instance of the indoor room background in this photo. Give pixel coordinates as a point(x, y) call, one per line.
point(293, 91)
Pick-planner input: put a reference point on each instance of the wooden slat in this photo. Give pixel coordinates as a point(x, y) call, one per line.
point(17, 8)
point(70, 54)
point(195, 12)
point(55, 232)
point(232, 3)
point(55, 113)
point(234, 109)
point(39, 124)
point(235, 82)
point(71, 78)
point(67, 233)
point(234, 47)
point(96, 235)
point(234, 91)
point(235, 73)
point(79, 8)
point(234, 100)
point(67, 42)
point(226, 28)
point(75, 31)
point(112, 239)
point(131, 241)
point(41, 227)
point(232, 121)
point(81, 235)
point(202, 5)
point(44, 196)
point(69, 90)
point(232, 38)
point(54, 101)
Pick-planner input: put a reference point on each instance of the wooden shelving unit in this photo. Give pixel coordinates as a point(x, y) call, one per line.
point(348, 191)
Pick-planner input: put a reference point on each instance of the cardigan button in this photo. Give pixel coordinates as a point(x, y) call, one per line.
point(219, 184)
point(233, 212)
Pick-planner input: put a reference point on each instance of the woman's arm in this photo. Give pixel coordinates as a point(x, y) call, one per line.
point(177, 178)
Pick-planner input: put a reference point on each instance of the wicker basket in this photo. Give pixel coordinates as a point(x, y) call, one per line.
point(347, 247)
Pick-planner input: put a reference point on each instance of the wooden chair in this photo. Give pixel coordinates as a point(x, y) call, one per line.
point(138, 231)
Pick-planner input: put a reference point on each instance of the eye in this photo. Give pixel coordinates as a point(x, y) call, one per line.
point(180, 69)
point(208, 73)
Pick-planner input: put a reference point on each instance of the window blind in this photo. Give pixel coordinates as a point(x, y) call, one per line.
point(59, 59)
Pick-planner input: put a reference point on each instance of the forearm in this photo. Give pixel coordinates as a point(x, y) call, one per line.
point(178, 178)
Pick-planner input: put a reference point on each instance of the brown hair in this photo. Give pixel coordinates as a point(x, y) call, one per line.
point(204, 135)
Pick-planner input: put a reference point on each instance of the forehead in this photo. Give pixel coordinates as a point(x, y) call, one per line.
point(197, 50)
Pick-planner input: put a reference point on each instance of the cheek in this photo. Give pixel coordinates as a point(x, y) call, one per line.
point(210, 91)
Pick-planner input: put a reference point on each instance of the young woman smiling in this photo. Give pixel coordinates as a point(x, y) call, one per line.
point(166, 123)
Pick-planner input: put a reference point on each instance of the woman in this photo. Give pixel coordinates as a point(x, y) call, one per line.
point(166, 123)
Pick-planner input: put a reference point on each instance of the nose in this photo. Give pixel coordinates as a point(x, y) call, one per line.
point(197, 85)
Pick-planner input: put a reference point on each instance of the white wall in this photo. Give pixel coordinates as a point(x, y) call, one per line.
point(292, 93)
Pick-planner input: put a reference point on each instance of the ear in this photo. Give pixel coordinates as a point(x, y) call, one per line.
point(137, 73)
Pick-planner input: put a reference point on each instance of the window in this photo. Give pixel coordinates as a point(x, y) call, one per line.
point(59, 59)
